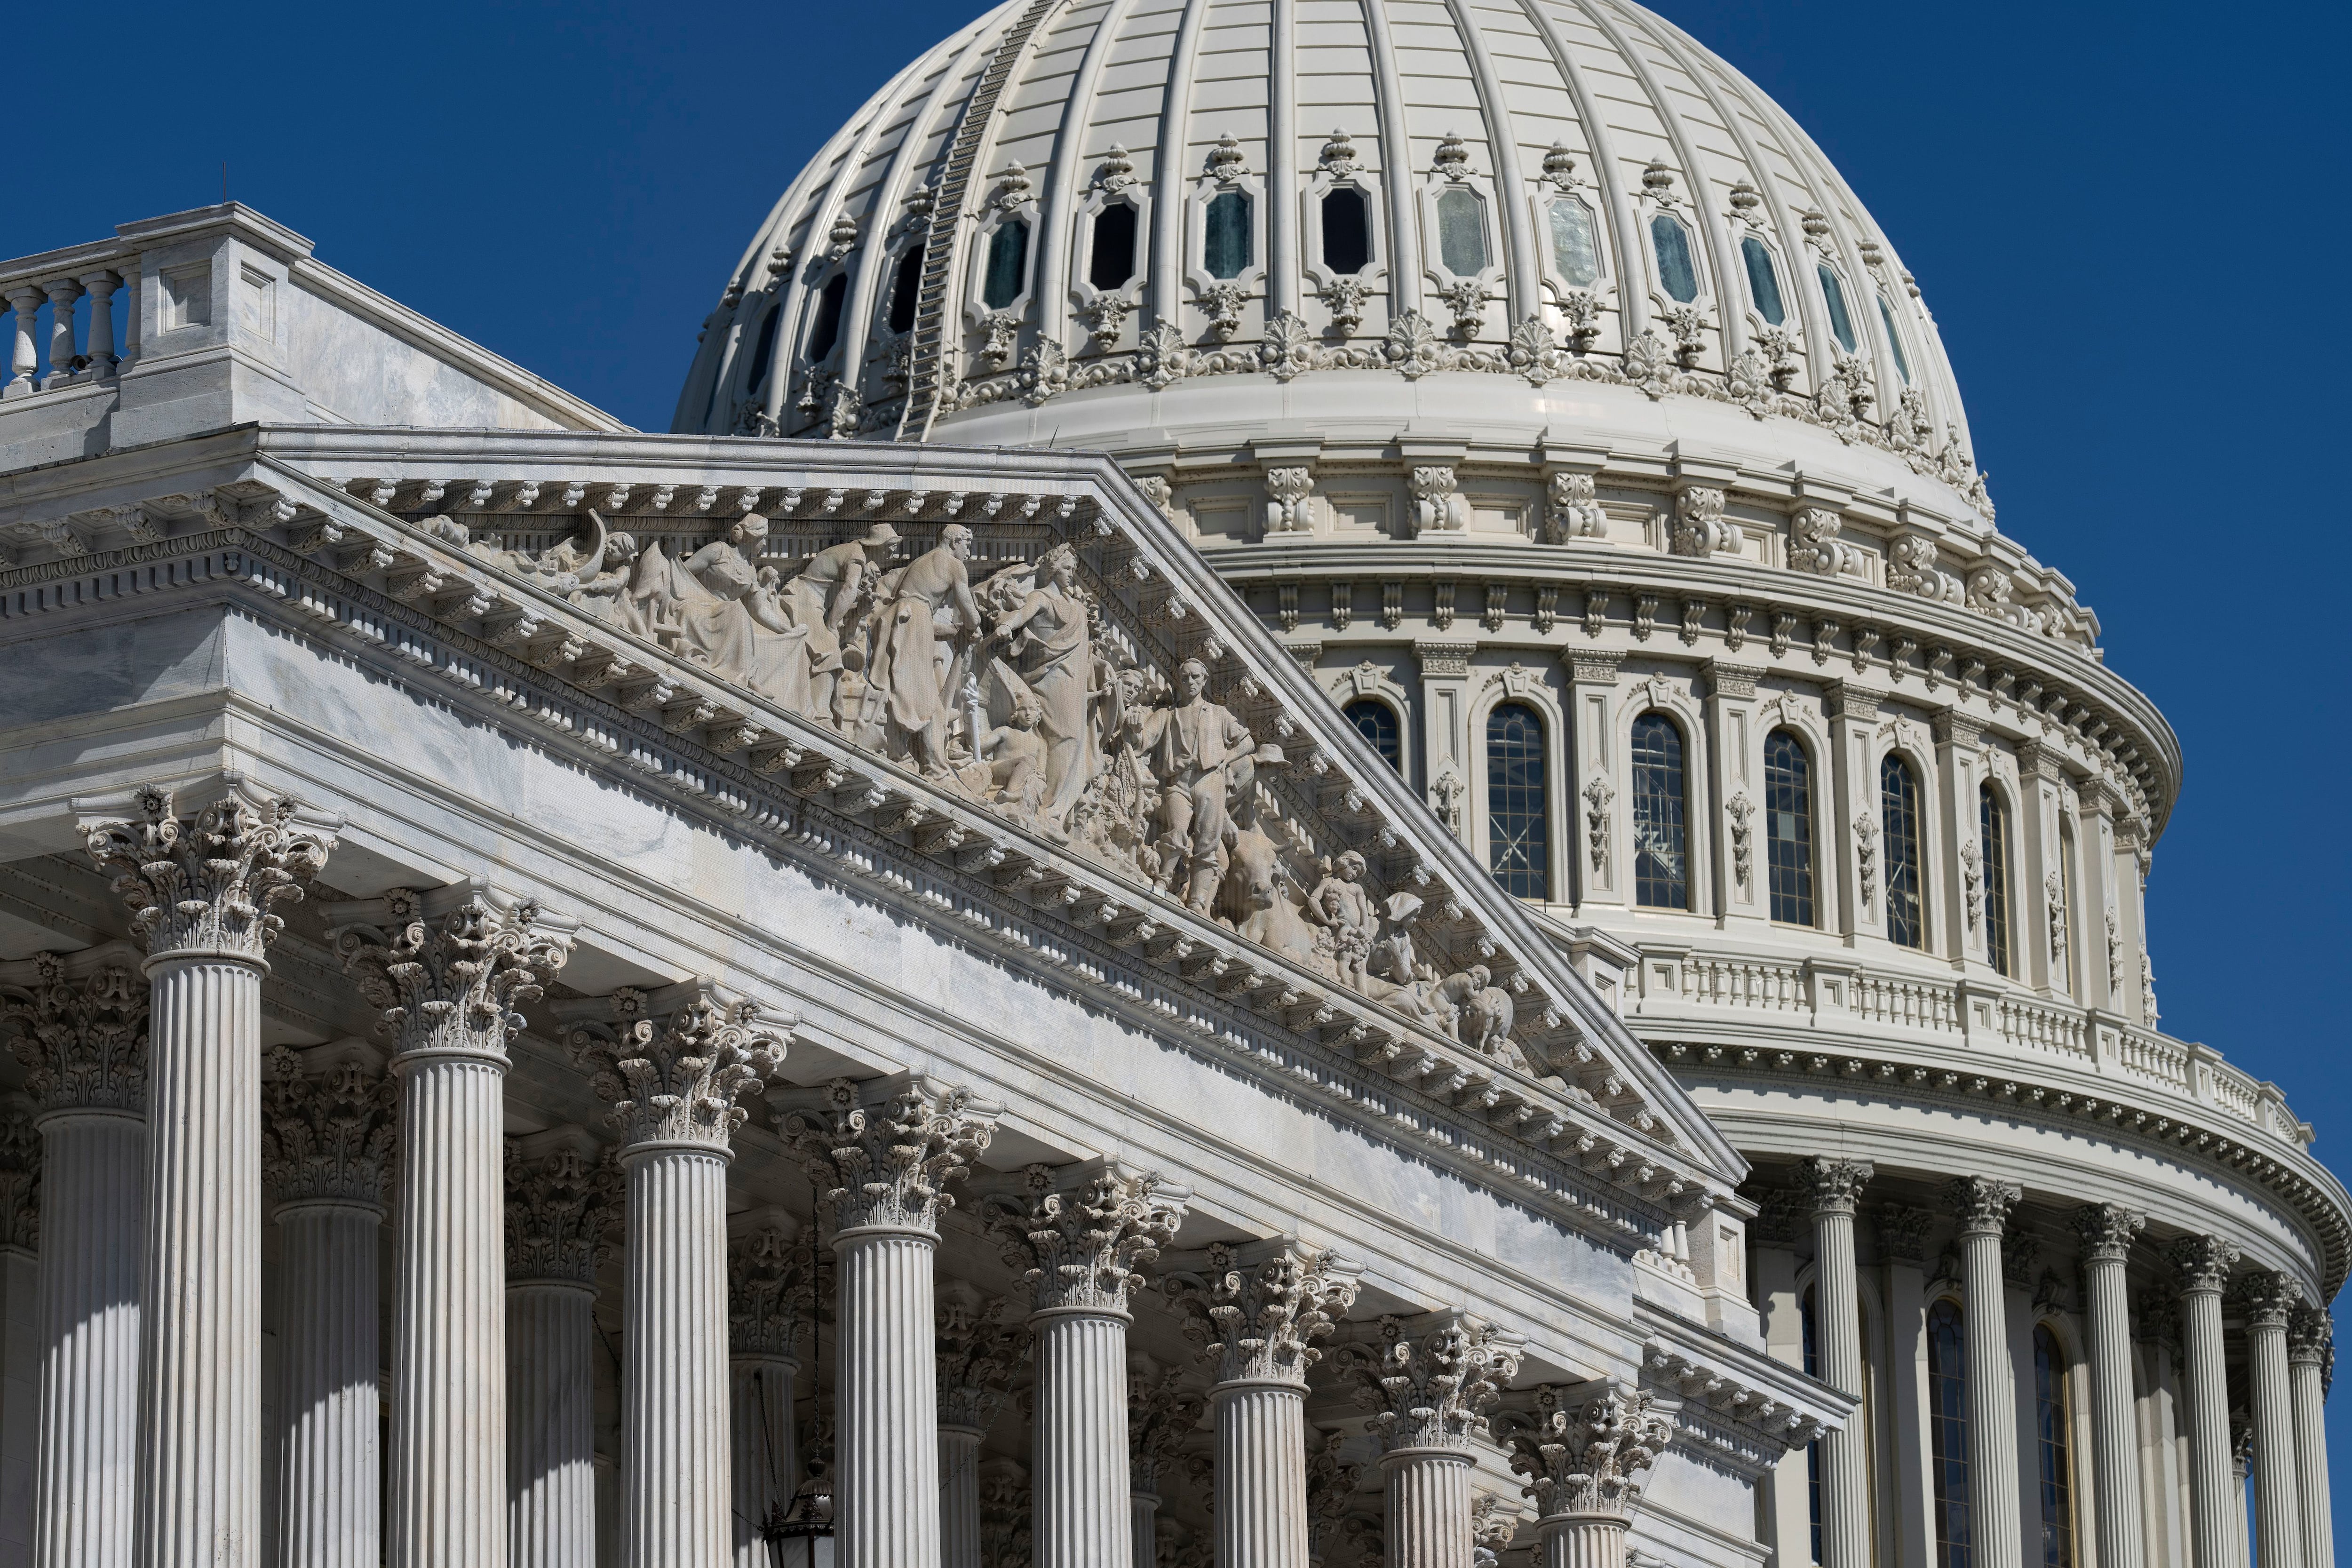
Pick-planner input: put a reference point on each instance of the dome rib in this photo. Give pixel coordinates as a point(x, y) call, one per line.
point(1169, 178)
point(1396, 162)
point(1064, 190)
point(1283, 255)
point(1522, 276)
point(1633, 303)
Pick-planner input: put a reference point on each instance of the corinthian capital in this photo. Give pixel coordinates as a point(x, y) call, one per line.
point(2268, 1298)
point(1078, 1242)
point(449, 968)
point(1981, 1203)
point(563, 1203)
point(205, 884)
point(20, 1176)
point(2311, 1336)
point(326, 1137)
point(1587, 1458)
point(82, 1036)
point(884, 1156)
point(2107, 1231)
point(1163, 1411)
point(1259, 1320)
point(679, 1080)
point(772, 1292)
point(976, 1357)
point(1833, 1186)
point(1431, 1393)
point(2204, 1263)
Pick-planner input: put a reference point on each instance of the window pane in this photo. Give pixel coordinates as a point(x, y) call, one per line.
point(1377, 722)
point(1008, 265)
point(1675, 273)
point(1573, 254)
point(1660, 879)
point(825, 330)
point(2061, 943)
point(1763, 279)
point(1992, 826)
point(1789, 827)
point(1347, 231)
point(1462, 232)
point(1113, 261)
point(1516, 849)
point(1834, 292)
point(1948, 1432)
point(1899, 808)
point(2049, 1433)
point(1225, 247)
point(906, 290)
point(1895, 342)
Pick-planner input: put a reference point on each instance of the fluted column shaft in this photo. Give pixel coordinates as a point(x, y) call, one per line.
point(2278, 1516)
point(959, 1498)
point(1582, 1541)
point(675, 1485)
point(2307, 1388)
point(552, 1424)
point(1996, 1508)
point(199, 1492)
point(886, 1481)
point(1837, 1187)
point(2212, 1489)
point(93, 1212)
point(329, 1493)
point(1261, 1500)
point(449, 1351)
point(1080, 1492)
point(2115, 1435)
point(764, 1466)
point(1143, 1518)
point(1426, 1496)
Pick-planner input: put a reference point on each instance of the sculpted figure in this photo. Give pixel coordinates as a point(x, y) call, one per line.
point(711, 608)
point(1050, 647)
point(828, 599)
point(1351, 922)
point(1016, 758)
point(906, 668)
point(1200, 754)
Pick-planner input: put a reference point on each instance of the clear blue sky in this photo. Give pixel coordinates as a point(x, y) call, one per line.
point(2131, 222)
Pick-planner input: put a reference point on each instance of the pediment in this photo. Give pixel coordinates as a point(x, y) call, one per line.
point(712, 651)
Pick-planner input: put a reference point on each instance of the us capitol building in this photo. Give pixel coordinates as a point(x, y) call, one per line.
point(1309, 818)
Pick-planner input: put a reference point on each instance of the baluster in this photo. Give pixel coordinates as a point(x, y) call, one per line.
point(63, 359)
point(22, 362)
point(98, 336)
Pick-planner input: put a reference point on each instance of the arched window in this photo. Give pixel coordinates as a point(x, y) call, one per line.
point(763, 351)
point(1948, 1432)
point(1992, 829)
point(1789, 827)
point(1809, 1327)
point(2050, 1430)
point(1898, 810)
point(1574, 252)
point(1008, 265)
point(824, 329)
point(1462, 232)
point(1834, 295)
point(1111, 262)
point(1661, 829)
point(1677, 275)
point(1895, 342)
point(1377, 721)
point(1763, 281)
point(1226, 240)
point(1518, 850)
point(1347, 231)
point(907, 290)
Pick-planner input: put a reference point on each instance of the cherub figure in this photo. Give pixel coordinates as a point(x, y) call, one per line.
point(1015, 754)
point(1455, 994)
point(1350, 919)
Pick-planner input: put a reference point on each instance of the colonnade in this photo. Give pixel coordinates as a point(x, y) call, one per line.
point(2288, 1347)
point(153, 1105)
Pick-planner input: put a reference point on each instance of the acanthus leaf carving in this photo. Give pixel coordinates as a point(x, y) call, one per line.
point(328, 1137)
point(976, 1354)
point(20, 1176)
point(450, 986)
point(1262, 1321)
point(1079, 1246)
point(205, 883)
point(561, 1210)
point(889, 1162)
point(82, 1040)
point(1431, 1393)
point(1588, 1457)
point(682, 1079)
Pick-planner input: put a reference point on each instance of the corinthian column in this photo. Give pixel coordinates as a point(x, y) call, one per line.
point(880, 1158)
point(1426, 1397)
point(1161, 1411)
point(1583, 1464)
point(772, 1286)
point(562, 1200)
point(199, 889)
point(1834, 1187)
point(1995, 1509)
point(449, 969)
point(81, 1030)
point(1257, 1313)
point(2269, 1300)
point(2203, 1264)
point(675, 1092)
point(976, 1358)
point(1078, 1244)
point(326, 1142)
point(2107, 1231)
point(2311, 1357)
point(20, 1318)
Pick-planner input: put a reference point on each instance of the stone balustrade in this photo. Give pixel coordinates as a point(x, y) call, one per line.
point(61, 327)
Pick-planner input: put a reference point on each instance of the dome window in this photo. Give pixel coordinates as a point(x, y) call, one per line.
point(1789, 827)
point(2053, 1449)
point(1677, 273)
point(1111, 261)
point(1840, 322)
point(1008, 265)
point(1462, 232)
point(1763, 281)
point(1347, 231)
point(1661, 815)
point(1992, 826)
point(1574, 256)
point(1225, 235)
point(1894, 341)
point(1516, 814)
point(1898, 810)
point(1376, 721)
point(824, 330)
point(763, 350)
point(906, 290)
point(1948, 1430)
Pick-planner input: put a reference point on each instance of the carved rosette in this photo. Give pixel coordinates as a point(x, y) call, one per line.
point(2268, 1298)
point(1589, 1457)
point(1833, 1186)
point(2202, 1262)
point(1161, 1413)
point(1981, 1203)
point(976, 1357)
point(679, 1082)
point(328, 1137)
point(889, 1163)
point(205, 884)
point(1260, 1322)
point(1432, 1393)
point(560, 1211)
point(1079, 1248)
point(2107, 1231)
point(772, 1288)
point(20, 1176)
point(450, 987)
point(83, 1042)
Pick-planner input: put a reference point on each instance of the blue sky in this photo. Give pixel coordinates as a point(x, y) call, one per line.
point(2125, 219)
